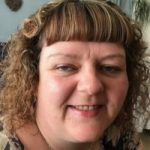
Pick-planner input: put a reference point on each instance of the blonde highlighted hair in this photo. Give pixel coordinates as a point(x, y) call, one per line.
point(68, 20)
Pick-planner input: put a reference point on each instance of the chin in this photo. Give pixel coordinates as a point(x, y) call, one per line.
point(88, 136)
point(87, 131)
point(87, 139)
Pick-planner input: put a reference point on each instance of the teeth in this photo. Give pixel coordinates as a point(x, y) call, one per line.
point(85, 107)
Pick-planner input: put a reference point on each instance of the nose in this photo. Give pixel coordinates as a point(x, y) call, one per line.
point(90, 82)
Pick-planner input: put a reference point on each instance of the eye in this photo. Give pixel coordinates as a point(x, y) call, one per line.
point(109, 69)
point(67, 68)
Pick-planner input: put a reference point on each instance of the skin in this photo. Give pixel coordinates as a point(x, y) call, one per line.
point(75, 74)
point(31, 138)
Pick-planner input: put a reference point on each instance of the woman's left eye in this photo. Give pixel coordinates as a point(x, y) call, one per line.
point(66, 68)
point(110, 70)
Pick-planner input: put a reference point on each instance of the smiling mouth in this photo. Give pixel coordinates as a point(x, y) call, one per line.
point(87, 111)
point(86, 107)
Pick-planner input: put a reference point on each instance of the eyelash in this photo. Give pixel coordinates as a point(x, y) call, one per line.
point(108, 69)
point(68, 68)
point(104, 69)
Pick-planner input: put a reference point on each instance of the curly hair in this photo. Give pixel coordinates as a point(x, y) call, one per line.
point(61, 20)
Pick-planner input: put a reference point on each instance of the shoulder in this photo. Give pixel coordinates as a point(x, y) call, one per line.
point(4, 141)
point(132, 140)
point(8, 143)
point(129, 141)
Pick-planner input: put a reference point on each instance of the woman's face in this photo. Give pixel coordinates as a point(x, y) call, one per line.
point(82, 87)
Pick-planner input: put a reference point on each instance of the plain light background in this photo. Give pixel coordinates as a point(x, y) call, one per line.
point(10, 20)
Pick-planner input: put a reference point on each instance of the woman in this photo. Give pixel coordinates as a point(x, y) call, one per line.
point(72, 79)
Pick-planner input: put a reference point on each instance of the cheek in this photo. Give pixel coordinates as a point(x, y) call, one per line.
point(55, 89)
point(49, 93)
point(50, 98)
point(117, 94)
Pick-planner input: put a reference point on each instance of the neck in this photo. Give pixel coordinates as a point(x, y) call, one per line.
point(75, 146)
point(30, 137)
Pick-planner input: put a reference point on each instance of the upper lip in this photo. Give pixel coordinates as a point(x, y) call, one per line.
point(85, 104)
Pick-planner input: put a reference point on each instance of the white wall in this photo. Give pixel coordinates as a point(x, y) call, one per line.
point(146, 34)
point(10, 21)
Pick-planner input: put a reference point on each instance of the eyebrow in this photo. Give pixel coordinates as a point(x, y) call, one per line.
point(113, 56)
point(64, 55)
point(73, 56)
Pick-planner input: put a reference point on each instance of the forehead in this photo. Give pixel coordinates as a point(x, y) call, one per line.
point(78, 49)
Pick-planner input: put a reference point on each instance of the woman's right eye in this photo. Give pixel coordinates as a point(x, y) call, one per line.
point(67, 68)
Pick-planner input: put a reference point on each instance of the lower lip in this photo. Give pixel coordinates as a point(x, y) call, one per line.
point(87, 113)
